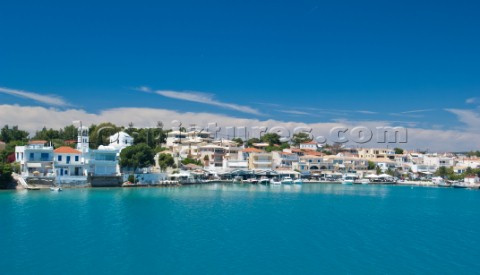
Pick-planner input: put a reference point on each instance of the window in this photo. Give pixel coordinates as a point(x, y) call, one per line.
point(59, 158)
point(44, 156)
point(76, 158)
point(32, 156)
point(68, 159)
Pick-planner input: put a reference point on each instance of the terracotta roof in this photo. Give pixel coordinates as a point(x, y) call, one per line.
point(252, 150)
point(313, 153)
point(37, 142)
point(67, 150)
point(310, 142)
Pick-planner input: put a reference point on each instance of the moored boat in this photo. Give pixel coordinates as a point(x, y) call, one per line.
point(264, 180)
point(56, 188)
point(287, 180)
point(348, 180)
point(298, 181)
point(275, 182)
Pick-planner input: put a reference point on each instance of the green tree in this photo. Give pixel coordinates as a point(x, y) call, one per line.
point(390, 172)
point(101, 133)
point(5, 175)
point(251, 141)
point(398, 151)
point(69, 132)
point(187, 161)
point(378, 170)
point(469, 172)
point(8, 134)
point(271, 139)
point(238, 140)
point(442, 172)
point(300, 138)
point(47, 134)
point(137, 156)
point(371, 165)
point(165, 161)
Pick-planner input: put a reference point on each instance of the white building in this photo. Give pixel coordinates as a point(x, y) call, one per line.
point(312, 145)
point(472, 179)
point(83, 140)
point(121, 140)
point(376, 154)
point(284, 159)
point(260, 161)
point(68, 162)
point(212, 154)
point(35, 159)
point(438, 161)
point(103, 162)
point(189, 137)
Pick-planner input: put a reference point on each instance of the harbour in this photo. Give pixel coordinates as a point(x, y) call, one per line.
point(241, 228)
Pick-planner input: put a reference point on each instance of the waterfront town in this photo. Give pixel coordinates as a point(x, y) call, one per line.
point(109, 156)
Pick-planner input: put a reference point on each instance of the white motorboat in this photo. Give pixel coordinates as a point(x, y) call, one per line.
point(264, 180)
point(298, 181)
point(56, 188)
point(275, 182)
point(287, 180)
point(365, 181)
point(348, 180)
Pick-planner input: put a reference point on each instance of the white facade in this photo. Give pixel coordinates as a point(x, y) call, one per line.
point(190, 137)
point(284, 160)
point(35, 159)
point(68, 162)
point(472, 179)
point(260, 161)
point(312, 145)
point(438, 161)
point(83, 140)
point(376, 154)
point(103, 162)
point(121, 140)
point(214, 153)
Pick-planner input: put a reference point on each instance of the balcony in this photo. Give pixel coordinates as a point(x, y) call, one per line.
point(262, 162)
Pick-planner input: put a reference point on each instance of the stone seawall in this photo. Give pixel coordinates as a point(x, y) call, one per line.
point(105, 181)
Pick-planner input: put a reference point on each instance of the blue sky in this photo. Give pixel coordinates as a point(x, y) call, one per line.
point(310, 61)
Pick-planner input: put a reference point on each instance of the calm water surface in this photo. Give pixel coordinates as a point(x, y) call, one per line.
point(241, 229)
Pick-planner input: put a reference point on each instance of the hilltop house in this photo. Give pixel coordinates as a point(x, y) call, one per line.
point(312, 145)
point(120, 140)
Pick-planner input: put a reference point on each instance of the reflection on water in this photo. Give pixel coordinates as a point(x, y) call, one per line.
point(331, 189)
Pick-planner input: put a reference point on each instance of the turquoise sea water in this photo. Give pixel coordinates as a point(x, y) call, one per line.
point(241, 229)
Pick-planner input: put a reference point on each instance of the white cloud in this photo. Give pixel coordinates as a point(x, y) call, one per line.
point(206, 99)
point(417, 111)
point(46, 99)
point(470, 118)
point(34, 118)
point(367, 112)
point(471, 100)
point(293, 112)
point(144, 89)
